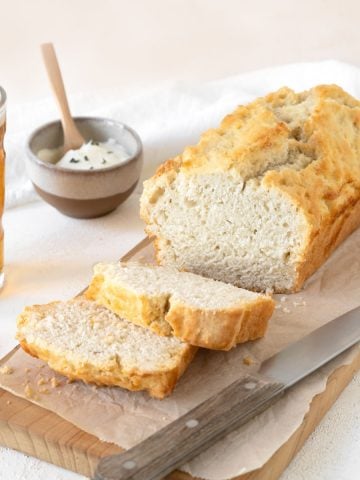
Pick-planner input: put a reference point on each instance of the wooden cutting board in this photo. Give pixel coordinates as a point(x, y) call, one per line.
point(40, 433)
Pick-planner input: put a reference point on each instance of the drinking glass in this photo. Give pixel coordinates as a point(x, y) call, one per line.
point(2, 179)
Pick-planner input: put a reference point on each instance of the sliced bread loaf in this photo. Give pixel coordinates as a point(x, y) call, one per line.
point(85, 341)
point(198, 310)
point(262, 200)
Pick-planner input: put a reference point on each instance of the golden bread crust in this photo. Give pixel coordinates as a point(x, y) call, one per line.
point(217, 329)
point(139, 309)
point(158, 384)
point(255, 320)
point(325, 191)
point(220, 329)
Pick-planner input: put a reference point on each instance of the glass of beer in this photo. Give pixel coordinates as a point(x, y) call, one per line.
point(2, 179)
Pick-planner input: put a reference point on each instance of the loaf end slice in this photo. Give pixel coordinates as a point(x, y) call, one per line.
point(197, 310)
point(85, 341)
point(263, 199)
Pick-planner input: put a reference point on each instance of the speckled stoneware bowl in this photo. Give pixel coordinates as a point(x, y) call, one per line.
point(89, 193)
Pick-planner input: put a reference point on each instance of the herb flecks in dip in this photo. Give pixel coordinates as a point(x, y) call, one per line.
point(90, 156)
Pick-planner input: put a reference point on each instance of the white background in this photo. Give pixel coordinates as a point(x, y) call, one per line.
point(104, 43)
point(141, 44)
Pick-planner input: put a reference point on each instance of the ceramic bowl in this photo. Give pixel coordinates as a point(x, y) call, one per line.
point(85, 193)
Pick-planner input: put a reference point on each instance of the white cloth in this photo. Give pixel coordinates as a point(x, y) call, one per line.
point(49, 256)
point(166, 120)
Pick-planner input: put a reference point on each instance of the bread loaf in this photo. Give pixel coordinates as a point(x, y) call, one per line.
point(85, 341)
point(262, 200)
point(198, 310)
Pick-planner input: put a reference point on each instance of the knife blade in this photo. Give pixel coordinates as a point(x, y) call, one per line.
point(303, 357)
point(232, 407)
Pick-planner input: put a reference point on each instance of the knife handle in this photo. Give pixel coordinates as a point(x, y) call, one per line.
point(185, 438)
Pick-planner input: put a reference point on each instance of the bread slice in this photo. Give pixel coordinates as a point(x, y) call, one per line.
point(198, 310)
point(262, 200)
point(85, 341)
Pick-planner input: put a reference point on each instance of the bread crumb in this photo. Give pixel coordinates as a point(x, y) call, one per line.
point(42, 381)
point(29, 391)
point(8, 402)
point(277, 306)
point(286, 310)
point(247, 361)
point(109, 339)
point(299, 304)
point(6, 370)
point(44, 390)
point(54, 382)
point(283, 299)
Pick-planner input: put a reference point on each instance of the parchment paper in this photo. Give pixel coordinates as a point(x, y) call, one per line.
point(125, 418)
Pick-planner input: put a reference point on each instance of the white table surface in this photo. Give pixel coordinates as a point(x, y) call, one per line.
point(146, 44)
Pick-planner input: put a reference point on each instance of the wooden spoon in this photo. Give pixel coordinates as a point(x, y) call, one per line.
point(72, 137)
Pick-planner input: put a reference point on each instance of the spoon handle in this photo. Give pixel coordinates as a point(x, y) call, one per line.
point(72, 137)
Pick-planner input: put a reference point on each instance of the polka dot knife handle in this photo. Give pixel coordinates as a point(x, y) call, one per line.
point(189, 435)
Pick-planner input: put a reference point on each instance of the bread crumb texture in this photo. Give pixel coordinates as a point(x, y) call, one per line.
point(262, 200)
point(200, 311)
point(72, 337)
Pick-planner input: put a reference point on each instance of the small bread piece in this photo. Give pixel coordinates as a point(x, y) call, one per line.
point(264, 199)
point(198, 310)
point(85, 341)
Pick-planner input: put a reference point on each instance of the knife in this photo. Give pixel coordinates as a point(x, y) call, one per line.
point(185, 438)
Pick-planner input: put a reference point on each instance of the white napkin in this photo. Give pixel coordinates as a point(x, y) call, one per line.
point(167, 119)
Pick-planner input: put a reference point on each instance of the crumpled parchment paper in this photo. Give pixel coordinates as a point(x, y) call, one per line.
point(126, 418)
